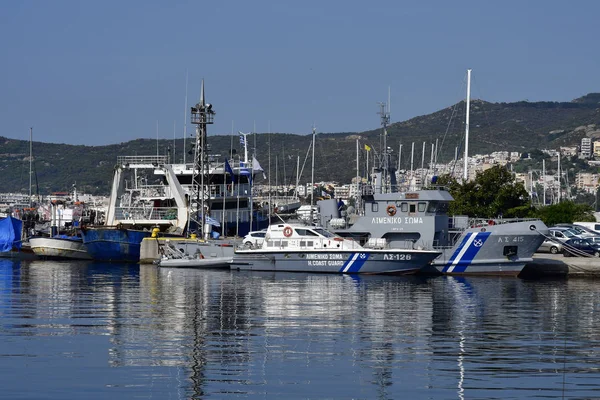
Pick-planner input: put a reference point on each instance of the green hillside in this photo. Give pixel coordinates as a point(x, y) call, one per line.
point(520, 126)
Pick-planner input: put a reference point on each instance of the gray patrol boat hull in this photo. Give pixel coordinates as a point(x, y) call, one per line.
point(342, 262)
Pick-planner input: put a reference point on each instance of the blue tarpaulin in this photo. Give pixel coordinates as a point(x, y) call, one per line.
point(10, 233)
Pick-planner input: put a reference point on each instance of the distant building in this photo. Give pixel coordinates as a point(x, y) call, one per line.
point(586, 181)
point(568, 151)
point(586, 148)
point(596, 149)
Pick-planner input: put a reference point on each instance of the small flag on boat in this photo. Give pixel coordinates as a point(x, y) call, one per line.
point(367, 147)
point(229, 171)
point(242, 139)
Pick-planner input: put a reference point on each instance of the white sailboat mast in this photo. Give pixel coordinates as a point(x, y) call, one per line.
point(30, 162)
point(466, 167)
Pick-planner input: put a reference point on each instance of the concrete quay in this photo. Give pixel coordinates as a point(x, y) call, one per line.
point(557, 265)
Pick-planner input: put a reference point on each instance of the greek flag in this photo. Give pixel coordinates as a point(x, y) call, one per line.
point(211, 221)
point(242, 139)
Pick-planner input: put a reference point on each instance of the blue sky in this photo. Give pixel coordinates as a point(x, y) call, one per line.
point(94, 73)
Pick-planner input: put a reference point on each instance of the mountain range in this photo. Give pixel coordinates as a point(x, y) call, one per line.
point(520, 126)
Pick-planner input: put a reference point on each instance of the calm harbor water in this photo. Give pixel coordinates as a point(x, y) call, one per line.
point(72, 330)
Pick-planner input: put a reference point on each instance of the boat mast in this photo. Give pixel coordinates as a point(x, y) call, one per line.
point(312, 179)
point(466, 167)
point(30, 162)
point(385, 120)
point(202, 115)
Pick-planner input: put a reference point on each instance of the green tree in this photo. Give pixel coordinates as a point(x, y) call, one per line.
point(492, 193)
point(565, 212)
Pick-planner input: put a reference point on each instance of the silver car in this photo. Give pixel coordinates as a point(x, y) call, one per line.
point(549, 246)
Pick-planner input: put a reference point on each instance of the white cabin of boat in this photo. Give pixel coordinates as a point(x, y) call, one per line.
point(291, 237)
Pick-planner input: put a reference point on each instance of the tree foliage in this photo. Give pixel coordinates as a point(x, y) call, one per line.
point(565, 212)
point(493, 193)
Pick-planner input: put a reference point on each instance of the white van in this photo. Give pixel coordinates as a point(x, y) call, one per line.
point(595, 226)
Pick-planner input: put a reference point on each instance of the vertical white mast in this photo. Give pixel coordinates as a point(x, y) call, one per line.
point(544, 179)
point(312, 179)
point(30, 161)
point(357, 170)
point(559, 173)
point(412, 158)
point(185, 115)
point(297, 175)
point(466, 167)
point(399, 155)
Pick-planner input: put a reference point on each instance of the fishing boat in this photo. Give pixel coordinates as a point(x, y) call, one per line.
point(139, 203)
point(298, 248)
point(60, 247)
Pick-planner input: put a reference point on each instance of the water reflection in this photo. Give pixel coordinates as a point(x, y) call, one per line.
point(188, 333)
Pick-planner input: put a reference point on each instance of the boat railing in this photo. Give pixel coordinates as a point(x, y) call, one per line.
point(153, 191)
point(145, 213)
point(128, 161)
point(369, 190)
point(482, 222)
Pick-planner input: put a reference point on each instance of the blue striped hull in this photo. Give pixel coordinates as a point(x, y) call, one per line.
point(119, 245)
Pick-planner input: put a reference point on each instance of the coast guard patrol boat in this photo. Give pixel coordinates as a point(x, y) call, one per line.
point(419, 219)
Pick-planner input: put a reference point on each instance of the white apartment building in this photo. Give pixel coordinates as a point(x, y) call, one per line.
point(586, 147)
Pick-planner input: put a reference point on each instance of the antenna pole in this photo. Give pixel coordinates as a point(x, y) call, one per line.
point(202, 115)
point(466, 167)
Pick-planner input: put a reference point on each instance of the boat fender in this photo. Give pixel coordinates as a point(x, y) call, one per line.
point(287, 231)
point(491, 222)
point(391, 210)
point(532, 227)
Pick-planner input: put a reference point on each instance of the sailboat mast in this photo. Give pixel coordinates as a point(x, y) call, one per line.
point(466, 167)
point(30, 162)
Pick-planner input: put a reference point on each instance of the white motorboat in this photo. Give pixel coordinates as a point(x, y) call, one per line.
point(298, 248)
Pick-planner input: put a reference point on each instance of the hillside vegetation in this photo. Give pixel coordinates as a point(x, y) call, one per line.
point(521, 126)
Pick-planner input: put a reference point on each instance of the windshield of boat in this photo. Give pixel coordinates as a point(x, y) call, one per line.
point(323, 232)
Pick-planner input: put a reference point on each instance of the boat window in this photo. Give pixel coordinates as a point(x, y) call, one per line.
point(404, 207)
point(374, 207)
point(302, 243)
point(412, 208)
point(284, 243)
point(323, 232)
point(442, 207)
point(269, 243)
point(422, 206)
point(310, 243)
point(305, 232)
point(432, 206)
point(277, 243)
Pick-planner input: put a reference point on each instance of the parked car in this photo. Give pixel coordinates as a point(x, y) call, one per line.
point(581, 246)
point(551, 246)
point(254, 239)
point(581, 230)
point(562, 233)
